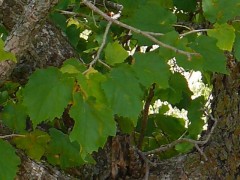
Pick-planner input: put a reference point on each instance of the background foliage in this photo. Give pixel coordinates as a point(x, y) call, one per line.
point(72, 110)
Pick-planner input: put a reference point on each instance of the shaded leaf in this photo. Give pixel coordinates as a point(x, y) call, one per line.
point(151, 68)
point(195, 114)
point(34, 143)
point(212, 57)
point(172, 127)
point(178, 88)
point(61, 151)
point(14, 116)
point(9, 161)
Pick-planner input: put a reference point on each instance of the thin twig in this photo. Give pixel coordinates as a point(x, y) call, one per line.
point(100, 48)
point(194, 31)
point(103, 63)
point(153, 33)
point(138, 31)
point(11, 135)
point(201, 152)
point(182, 26)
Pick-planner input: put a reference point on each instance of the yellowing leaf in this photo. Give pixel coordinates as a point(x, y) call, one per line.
point(33, 143)
point(224, 34)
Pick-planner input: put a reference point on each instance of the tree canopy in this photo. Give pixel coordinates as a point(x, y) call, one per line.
point(128, 55)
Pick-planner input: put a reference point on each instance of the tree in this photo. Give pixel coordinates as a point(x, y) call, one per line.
point(78, 80)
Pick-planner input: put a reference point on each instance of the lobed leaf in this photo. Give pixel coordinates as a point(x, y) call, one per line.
point(123, 92)
point(224, 34)
point(34, 143)
point(47, 94)
point(151, 68)
point(94, 122)
point(61, 151)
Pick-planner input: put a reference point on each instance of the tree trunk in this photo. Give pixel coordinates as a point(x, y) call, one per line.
point(48, 47)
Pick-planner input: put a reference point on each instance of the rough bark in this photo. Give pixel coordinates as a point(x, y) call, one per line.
point(48, 47)
point(223, 148)
point(44, 46)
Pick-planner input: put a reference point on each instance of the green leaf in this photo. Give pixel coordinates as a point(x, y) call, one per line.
point(73, 33)
point(62, 4)
point(178, 88)
point(195, 114)
point(61, 151)
point(126, 125)
point(33, 143)
point(184, 147)
point(115, 53)
point(151, 68)
point(72, 66)
point(181, 43)
point(94, 122)
point(14, 116)
point(9, 161)
point(60, 20)
point(170, 126)
point(213, 58)
point(4, 55)
point(185, 5)
point(161, 19)
point(224, 34)
point(237, 46)
point(123, 92)
point(91, 85)
point(47, 94)
point(220, 10)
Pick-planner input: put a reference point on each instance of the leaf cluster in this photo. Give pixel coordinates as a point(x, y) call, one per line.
point(109, 94)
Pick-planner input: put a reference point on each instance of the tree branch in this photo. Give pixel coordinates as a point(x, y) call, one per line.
point(30, 21)
point(138, 31)
point(145, 111)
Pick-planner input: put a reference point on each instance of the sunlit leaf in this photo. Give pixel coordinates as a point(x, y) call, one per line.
point(4, 55)
point(115, 53)
point(46, 95)
point(93, 123)
point(123, 92)
point(224, 34)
